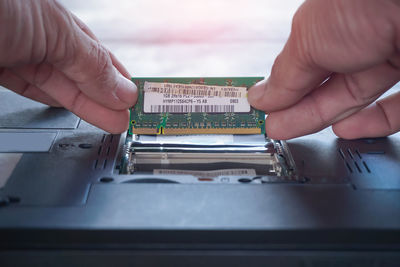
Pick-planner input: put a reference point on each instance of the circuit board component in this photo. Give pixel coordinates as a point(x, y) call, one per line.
point(208, 158)
point(175, 106)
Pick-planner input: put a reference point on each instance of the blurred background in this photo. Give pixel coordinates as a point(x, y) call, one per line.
point(191, 37)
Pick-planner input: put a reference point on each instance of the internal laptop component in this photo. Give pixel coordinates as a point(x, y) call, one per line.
point(175, 106)
point(210, 157)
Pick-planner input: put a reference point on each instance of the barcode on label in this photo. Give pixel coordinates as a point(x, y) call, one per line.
point(195, 92)
point(193, 98)
point(208, 174)
point(194, 108)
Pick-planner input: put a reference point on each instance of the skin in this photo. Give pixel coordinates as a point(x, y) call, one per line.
point(340, 57)
point(52, 57)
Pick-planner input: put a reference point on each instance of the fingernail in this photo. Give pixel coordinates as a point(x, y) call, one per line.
point(256, 92)
point(128, 94)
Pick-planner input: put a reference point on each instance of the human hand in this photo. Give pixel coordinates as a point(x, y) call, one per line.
point(49, 55)
point(340, 57)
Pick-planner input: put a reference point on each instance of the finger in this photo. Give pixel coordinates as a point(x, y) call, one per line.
point(339, 97)
point(294, 72)
point(93, 72)
point(87, 63)
point(84, 27)
point(54, 83)
point(380, 119)
point(21, 87)
point(327, 37)
point(291, 78)
point(117, 64)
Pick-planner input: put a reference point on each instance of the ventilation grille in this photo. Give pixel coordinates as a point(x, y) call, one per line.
point(104, 151)
point(354, 160)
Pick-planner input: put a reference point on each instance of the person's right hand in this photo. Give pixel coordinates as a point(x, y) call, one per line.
point(340, 57)
point(49, 55)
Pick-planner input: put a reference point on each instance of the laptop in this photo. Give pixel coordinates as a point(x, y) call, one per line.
point(74, 195)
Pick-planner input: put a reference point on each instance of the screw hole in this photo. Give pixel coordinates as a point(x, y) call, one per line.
point(106, 180)
point(64, 146)
point(14, 199)
point(85, 146)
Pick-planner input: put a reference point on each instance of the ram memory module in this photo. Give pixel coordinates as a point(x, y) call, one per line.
point(175, 106)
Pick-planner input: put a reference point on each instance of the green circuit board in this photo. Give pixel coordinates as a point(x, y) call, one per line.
point(174, 106)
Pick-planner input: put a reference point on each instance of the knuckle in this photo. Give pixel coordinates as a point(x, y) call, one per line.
point(61, 39)
point(103, 62)
point(394, 62)
point(304, 40)
point(25, 89)
point(42, 74)
point(99, 60)
point(104, 70)
point(276, 69)
point(316, 111)
point(296, 36)
point(298, 16)
point(91, 64)
point(355, 89)
point(76, 103)
point(386, 116)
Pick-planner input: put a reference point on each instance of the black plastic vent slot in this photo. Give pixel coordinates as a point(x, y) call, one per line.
point(105, 147)
point(366, 167)
point(354, 161)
